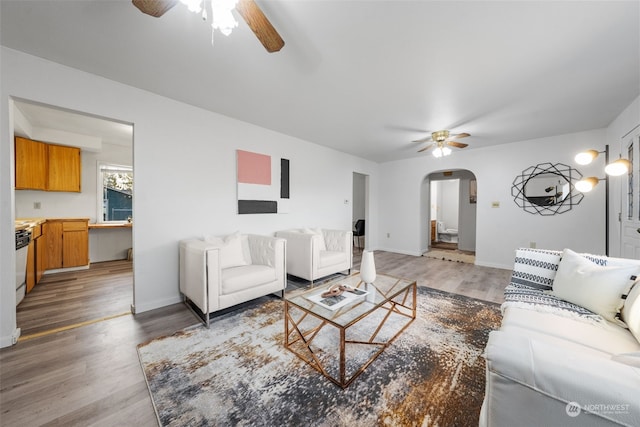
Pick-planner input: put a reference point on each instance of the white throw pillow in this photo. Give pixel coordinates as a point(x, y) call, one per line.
point(232, 251)
point(594, 287)
point(317, 231)
point(631, 311)
point(631, 359)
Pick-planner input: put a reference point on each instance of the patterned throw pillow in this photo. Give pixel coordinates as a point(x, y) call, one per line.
point(535, 268)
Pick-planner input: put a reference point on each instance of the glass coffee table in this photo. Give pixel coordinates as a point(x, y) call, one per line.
point(341, 337)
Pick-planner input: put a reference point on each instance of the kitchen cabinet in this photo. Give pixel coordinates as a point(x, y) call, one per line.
point(67, 243)
point(31, 266)
point(36, 262)
point(64, 169)
point(49, 167)
point(41, 252)
point(31, 164)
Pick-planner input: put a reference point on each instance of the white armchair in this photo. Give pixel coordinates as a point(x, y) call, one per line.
point(218, 273)
point(313, 254)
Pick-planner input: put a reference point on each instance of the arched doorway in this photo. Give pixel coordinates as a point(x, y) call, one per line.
point(449, 210)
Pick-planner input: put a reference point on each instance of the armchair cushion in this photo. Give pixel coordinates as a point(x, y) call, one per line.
point(236, 279)
point(328, 258)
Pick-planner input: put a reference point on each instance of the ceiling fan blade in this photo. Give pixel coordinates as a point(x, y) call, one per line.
point(260, 25)
point(155, 8)
point(460, 135)
point(428, 138)
point(425, 148)
point(457, 144)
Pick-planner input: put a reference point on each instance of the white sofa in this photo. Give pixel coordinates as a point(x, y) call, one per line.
point(316, 253)
point(556, 363)
point(217, 273)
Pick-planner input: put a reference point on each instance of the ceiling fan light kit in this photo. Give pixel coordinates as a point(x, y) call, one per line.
point(442, 140)
point(441, 150)
point(222, 17)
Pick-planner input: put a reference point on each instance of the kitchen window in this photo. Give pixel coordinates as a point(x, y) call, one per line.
point(115, 193)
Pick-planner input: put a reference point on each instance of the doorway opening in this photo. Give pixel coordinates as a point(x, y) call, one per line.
point(359, 211)
point(59, 297)
point(449, 222)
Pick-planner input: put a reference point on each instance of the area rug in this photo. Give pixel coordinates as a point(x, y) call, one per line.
point(238, 373)
point(451, 256)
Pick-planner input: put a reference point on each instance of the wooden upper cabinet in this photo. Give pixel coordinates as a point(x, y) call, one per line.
point(31, 164)
point(64, 168)
point(48, 167)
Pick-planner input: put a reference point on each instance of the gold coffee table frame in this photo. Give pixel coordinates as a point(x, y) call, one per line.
point(395, 295)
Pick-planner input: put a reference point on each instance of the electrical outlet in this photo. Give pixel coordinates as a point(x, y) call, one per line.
point(36, 205)
point(346, 201)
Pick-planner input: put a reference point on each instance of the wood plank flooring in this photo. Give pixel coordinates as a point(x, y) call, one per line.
point(68, 298)
point(91, 375)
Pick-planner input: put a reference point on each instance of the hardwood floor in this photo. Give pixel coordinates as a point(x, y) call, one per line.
point(69, 298)
point(91, 375)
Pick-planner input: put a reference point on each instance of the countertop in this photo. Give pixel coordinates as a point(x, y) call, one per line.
point(110, 225)
point(24, 223)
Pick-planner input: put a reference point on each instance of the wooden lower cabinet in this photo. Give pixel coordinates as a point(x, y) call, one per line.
point(31, 266)
point(36, 262)
point(67, 243)
point(41, 254)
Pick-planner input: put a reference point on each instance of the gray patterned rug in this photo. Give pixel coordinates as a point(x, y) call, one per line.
point(238, 372)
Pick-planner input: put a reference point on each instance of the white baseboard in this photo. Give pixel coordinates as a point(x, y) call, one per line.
point(10, 340)
point(152, 305)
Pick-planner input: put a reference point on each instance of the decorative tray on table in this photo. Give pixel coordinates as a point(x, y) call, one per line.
point(337, 296)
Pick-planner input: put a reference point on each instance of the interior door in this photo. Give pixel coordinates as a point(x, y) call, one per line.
point(630, 217)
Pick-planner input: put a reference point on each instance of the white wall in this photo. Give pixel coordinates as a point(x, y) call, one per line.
point(629, 119)
point(182, 151)
point(467, 223)
point(448, 199)
point(499, 230)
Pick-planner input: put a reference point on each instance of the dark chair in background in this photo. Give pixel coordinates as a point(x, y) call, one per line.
point(358, 231)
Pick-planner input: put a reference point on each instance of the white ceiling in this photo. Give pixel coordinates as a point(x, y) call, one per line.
point(44, 118)
point(363, 77)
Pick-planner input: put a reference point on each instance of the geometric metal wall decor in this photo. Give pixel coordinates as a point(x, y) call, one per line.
point(547, 189)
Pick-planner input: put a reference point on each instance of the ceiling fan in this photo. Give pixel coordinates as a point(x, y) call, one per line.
point(440, 139)
point(248, 9)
